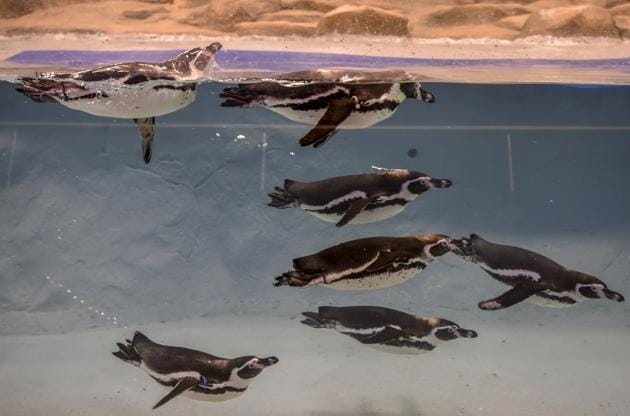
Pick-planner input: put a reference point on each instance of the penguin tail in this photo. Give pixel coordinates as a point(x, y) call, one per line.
point(314, 320)
point(291, 278)
point(128, 353)
point(281, 198)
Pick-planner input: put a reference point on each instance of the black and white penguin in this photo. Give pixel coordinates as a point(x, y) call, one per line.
point(350, 101)
point(531, 276)
point(387, 329)
point(367, 263)
point(356, 199)
point(134, 90)
point(194, 373)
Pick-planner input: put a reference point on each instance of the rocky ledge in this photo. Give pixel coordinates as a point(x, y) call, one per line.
point(497, 19)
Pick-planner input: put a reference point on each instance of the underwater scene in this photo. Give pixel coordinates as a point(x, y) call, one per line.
point(177, 239)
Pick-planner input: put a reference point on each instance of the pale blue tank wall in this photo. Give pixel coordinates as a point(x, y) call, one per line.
point(190, 234)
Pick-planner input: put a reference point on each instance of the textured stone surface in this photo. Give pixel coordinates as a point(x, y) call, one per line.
point(363, 20)
point(499, 19)
point(571, 21)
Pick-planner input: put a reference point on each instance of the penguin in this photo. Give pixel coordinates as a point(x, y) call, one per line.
point(387, 329)
point(367, 263)
point(351, 101)
point(530, 275)
point(356, 199)
point(134, 90)
point(196, 374)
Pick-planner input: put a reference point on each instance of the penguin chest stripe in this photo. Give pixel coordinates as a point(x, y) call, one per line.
point(335, 202)
point(509, 273)
point(332, 277)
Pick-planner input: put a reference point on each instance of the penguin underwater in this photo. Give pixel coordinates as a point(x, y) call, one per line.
point(356, 199)
point(329, 100)
point(532, 277)
point(134, 90)
point(367, 263)
point(387, 329)
point(195, 373)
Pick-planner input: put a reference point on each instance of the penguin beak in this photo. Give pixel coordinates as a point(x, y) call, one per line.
point(466, 333)
point(269, 361)
point(618, 297)
point(440, 183)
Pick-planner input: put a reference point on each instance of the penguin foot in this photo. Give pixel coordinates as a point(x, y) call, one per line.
point(314, 320)
point(290, 278)
point(281, 198)
point(128, 353)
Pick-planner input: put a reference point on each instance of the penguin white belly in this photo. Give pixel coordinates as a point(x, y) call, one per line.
point(134, 103)
point(376, 281)
point(356, 120)
point(365, 217)
point(397, 350)
point(546, 302)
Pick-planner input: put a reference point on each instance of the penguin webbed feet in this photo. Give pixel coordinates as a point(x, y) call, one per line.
point(315, 320)
point(291, 278)
point(127, 353)
point(281, 198)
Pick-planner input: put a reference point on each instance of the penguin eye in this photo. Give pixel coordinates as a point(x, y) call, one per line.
point(451, 330)
point(251, 365)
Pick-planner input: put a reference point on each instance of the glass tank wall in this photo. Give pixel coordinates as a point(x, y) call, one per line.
point(96, 244)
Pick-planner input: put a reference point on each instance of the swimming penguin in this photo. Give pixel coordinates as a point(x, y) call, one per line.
point(532, 276)
point(134, 90)
point(195, 373)
point(356, 199)
point(351, 101)
point(387, 329)
point(367, 263)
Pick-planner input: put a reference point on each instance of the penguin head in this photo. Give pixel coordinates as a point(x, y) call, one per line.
point(250, 367)
point(450, 330)
point(415, 90)
point(436, 245)
point(598, 291)
point(421, 183)
point(197, 61)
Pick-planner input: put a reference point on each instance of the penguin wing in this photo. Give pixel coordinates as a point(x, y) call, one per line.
point(181, 386)
point(356, 207)
point(338, 110)
point(146, 127)
point(380, 336)
point(517, 294)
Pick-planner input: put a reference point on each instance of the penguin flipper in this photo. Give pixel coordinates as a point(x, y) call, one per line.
point(146, 126)
point(181, 386)
point(356, 207)
point(338, 110)
point(513, 296)
point(386, 334)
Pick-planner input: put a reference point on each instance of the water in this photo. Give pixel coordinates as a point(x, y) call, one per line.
point(96, 244)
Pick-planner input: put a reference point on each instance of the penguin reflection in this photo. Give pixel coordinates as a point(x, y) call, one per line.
point(135, 90)
point(340, 101)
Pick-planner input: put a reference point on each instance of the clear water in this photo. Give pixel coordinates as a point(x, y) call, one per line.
point(96, 245)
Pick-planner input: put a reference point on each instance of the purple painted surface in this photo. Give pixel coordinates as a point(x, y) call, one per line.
point(280, 61)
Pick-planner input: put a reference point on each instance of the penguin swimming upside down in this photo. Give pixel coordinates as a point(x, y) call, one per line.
point(387, 329)
point(532, 277)
point(134, 90)
point(367, 263)
point(360, 102)
point(356, 199)
point(193, 373)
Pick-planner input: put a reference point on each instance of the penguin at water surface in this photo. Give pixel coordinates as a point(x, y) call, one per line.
point(134, 90)
point(356, 199)
point(192, 373)
point(330, 100)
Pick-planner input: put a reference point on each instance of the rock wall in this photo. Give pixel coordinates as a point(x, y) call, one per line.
point(502, 19)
